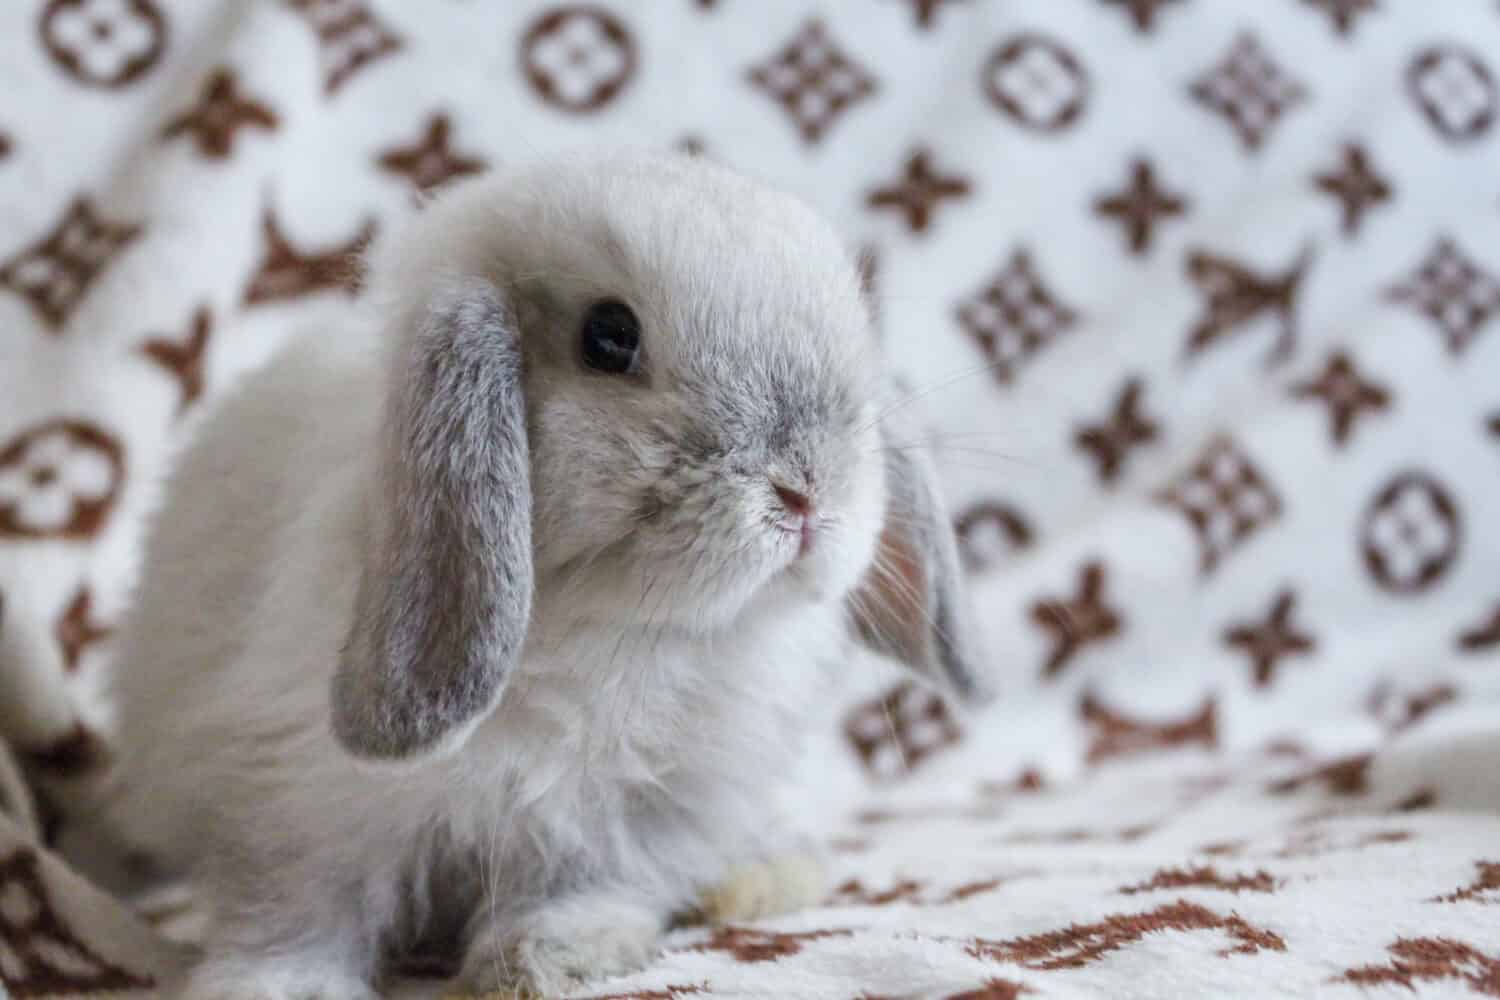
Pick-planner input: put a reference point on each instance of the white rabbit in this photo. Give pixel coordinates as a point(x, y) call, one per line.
point(495, 615)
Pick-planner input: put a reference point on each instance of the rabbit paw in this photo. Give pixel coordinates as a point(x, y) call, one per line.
point(561, 947)
point(275, 980)
point(765, 889)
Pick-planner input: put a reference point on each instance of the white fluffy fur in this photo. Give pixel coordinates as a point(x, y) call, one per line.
point(626, 767)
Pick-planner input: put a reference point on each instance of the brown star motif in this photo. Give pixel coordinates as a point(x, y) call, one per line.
point(1143, 12)
point(1344, 12)
point(287, 273)
point(1356, 185)
point(1140, 206)
point(1267, 642)
point(221, 112)
point(1345, 392)
point(1109, 443)
point(76, 630)
point(430, 161)
point(184, 361)
point(1078, 621)
point(927, 10)
point(919, 191)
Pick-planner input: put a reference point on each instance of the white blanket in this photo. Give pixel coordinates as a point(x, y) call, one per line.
point(1199, 296)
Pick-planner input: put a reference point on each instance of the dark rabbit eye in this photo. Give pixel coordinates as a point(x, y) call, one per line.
point(611, 338)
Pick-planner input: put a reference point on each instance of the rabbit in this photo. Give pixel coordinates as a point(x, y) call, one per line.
point(493, 617)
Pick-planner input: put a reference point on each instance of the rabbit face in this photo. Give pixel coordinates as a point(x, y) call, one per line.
point(701, 405)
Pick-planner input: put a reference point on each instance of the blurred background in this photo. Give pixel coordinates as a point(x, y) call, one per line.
point(1197, 299)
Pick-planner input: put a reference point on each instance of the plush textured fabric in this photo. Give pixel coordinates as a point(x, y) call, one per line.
point(1199, 299)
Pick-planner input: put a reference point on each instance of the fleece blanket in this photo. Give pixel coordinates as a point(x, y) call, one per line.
point(1199, 300)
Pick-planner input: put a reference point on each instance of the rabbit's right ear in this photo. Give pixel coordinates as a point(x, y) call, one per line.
point(444, 595)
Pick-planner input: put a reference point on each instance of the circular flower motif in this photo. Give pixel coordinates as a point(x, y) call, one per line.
point(104, 43)
point(578, 58)
point(1455, 90)
point(1037, 82)
point(1411, 534)
point(59, 480)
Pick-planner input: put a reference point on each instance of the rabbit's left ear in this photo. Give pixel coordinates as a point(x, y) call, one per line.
point(912, 604)
point(444, 596)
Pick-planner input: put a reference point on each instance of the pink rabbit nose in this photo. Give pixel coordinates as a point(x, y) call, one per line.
point(799, 510)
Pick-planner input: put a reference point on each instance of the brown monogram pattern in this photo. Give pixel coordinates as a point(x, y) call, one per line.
point(1250, 91)
point(1038, 82)
point(104, 43)
point(430, 161)
point(1455, 90)
point(1346, 394)
point(220, 113)
point(919, 191)
point(1411, 533)
point(350, 37)
point(1225, 499)
point(1356, 185)
point(1195, 306)
point(1267, 642)
point(1076, 622)
point(1014, 317)
point(1141, 206)
point(578, 58)
point(54, 274)
point(59, 479)
point(1110, 443)
point(1235, 295)
point(184, 360)
point(288, 273)
point(814, 81)
point(1452, 291)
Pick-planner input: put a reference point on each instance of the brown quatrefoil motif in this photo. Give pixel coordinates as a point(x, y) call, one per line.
point(1014, 317)
point(1250, 91)
point(1225, 499)
point(814, 81)
point(54, 274)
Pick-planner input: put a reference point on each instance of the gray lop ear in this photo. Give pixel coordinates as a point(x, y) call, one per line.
point(912, 604)
point(441, 611)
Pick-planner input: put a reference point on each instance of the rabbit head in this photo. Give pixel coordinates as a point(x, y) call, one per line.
point(638, 394)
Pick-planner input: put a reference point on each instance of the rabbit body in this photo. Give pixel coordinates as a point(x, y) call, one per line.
point(552, 804)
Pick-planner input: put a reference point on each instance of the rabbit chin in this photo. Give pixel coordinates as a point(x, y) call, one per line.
point(700, 595)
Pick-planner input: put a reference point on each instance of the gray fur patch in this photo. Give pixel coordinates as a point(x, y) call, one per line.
point(930, 629)
point(441, 611)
